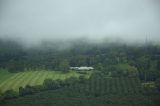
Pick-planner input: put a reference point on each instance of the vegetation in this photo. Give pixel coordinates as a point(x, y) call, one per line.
point(97, 90)
point(124, 75)
point(15, 80)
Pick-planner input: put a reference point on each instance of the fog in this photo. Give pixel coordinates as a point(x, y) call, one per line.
point(32, 21)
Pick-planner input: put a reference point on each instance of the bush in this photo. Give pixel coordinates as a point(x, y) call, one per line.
point(51, 84)
point(9, 94)
point(29, 90)
point(1, 97)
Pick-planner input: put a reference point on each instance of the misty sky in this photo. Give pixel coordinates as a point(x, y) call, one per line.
point(36, 20)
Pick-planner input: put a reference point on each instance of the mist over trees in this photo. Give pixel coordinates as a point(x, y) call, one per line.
point(121, 59)
point(42, 42)
point(120, 70)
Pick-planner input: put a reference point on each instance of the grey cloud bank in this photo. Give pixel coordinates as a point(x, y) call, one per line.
point(37, 20)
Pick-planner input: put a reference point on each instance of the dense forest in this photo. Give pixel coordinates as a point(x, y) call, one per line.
point(123, 75)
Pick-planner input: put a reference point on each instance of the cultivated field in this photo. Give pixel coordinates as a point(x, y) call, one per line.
point(15, 80)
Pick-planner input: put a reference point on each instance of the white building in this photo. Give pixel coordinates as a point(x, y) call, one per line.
point(82, 68)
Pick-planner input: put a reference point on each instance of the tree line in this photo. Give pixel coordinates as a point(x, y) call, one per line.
point(112, 58)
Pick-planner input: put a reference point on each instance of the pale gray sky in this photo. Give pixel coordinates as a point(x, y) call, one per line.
point(35, 20)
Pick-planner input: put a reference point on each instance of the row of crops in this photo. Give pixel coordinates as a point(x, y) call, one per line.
point(101, 86)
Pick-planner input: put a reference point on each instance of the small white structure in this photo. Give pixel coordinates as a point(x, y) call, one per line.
point(82, 68)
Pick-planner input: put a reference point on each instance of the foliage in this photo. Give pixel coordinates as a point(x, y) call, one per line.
point(15, 80)
point(158, 83)
point(64, 66)
point(51, 84)
point(103, 57)
point(10, 94)
point(124, 70)
point(1, 96)
point(97, 90)
point(124, 75)
point(149, 88)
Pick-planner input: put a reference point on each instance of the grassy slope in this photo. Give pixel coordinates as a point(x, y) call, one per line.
point(15, 80)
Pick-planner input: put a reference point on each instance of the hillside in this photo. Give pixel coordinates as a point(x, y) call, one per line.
point(123, 75)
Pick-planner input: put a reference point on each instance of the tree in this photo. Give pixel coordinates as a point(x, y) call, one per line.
point(51, 84)
point(1, 96)
point(71, 80)
point(143, 66)
point(64, 65)
point(82, 79)
point(9, 94)
point(99, 67)
point(124, 70)
point(157, 83)
point(29, 90)
point(158, 66)
point(149, 88)
point(26, 91)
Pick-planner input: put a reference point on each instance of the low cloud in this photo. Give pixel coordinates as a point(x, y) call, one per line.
point(37, 20)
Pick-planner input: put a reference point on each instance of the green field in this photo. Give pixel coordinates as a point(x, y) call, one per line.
point(15, 80)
